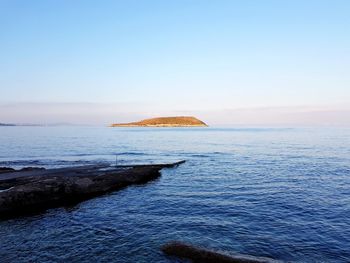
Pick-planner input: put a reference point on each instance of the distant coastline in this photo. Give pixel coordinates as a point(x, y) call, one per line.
point(7, 124)
point(34, 124)
point(178, 121)
point(18, 125)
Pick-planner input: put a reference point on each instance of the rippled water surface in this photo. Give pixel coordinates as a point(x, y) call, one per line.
point(280, 193)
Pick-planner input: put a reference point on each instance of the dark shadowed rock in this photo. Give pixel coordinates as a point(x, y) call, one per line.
point(26, 169)
point(28, 191)
point(6, 170)
point(199, 254)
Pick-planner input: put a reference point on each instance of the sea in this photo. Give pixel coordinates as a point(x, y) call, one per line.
point(282, 193)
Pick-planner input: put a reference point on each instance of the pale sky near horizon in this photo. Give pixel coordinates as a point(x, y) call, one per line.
point(103, 61)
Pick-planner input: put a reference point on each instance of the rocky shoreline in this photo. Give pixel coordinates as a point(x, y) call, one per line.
point(33, 190)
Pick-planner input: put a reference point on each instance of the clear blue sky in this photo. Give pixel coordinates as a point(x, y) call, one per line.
point(180, 55)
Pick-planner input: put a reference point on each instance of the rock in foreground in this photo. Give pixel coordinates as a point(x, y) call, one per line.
point(198, 254)
point(6, 170)
point(29, 191)
point(181, 121)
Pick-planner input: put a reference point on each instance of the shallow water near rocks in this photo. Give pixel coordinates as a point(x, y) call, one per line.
point(279, 193)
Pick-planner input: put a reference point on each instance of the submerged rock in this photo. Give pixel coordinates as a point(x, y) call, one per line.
point(203, 255)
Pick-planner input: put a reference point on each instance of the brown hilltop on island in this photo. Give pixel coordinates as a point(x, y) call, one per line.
point(180, 121)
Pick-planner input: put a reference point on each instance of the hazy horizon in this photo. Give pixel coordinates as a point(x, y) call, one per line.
point(104, 114)
point(225, 62)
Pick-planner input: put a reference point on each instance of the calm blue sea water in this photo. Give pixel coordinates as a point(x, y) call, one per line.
point(281, 193)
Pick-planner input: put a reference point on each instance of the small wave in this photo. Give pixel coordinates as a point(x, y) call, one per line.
point(208, 154)
point(48, 163)
point(20, 162)
point(200, 155)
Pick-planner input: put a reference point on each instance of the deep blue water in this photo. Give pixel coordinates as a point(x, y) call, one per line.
point(280, 193)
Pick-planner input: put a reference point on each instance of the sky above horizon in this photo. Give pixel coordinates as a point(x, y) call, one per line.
point(97, 62)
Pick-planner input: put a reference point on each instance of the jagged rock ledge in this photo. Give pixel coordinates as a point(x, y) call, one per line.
point(203, 255)
point(32, 190)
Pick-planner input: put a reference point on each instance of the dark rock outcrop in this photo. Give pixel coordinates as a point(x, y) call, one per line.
point(26, 169)
point(6, 170)
point(24, 192)
point(198, 254)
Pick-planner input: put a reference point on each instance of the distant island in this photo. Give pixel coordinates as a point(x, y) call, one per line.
point(180, 121)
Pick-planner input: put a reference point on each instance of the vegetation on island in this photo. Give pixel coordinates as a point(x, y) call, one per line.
point(179, 121)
